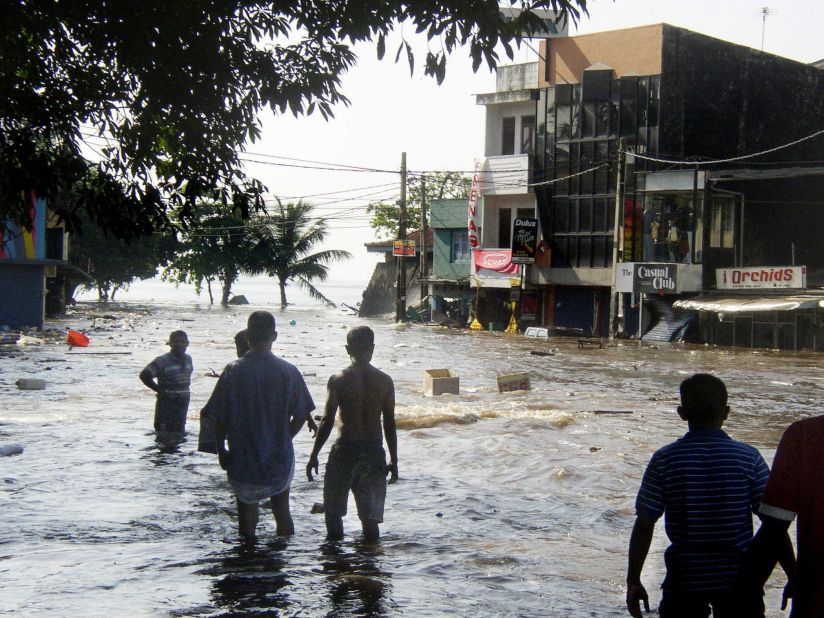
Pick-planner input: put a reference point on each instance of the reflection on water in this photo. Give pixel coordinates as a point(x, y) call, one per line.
point(508, 503)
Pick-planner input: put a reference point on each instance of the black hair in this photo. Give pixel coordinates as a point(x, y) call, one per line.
point(360, 338)
point(260, 326)
point(703, 397)
point(178, 333)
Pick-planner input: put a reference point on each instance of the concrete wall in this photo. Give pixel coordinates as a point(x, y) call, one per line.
point(380, 296)
point(634, 51)
point(516, 77)
point(494, 124)
point(447, 216)
point(22, 290)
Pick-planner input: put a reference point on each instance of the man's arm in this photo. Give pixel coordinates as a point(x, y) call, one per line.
point(390, 432)
point(148, 378)
point(639, 544)
point(771, 544)
point(325, 427)
point(220, 440)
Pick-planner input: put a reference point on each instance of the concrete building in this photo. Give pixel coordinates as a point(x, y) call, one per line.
point(688, 110)
point(31, 267)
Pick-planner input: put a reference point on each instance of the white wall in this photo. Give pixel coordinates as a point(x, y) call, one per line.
point(494, 124)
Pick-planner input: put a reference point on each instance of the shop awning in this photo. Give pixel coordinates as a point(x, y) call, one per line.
point(744, 304)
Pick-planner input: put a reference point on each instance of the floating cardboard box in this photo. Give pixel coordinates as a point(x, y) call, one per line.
point(513, 382)
point(440, 381)
point(31, 384)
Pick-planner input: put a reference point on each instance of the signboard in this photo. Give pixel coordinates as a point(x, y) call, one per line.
point(656, 278)
point(524, 240)
point(403, 248)
point(761, 277)
point(499, 260)
point(625, 277)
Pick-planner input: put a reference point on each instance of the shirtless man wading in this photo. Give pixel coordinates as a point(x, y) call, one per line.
point(365, 396)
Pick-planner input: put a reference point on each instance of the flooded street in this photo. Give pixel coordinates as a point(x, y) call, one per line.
point(515, 504)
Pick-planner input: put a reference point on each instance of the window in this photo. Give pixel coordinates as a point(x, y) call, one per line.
point(527, 134)
point(504, 227)
point(722, 223)
point(508, 136)
point(459, 250)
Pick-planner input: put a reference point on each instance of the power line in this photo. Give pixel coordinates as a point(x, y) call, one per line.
point(731, 159)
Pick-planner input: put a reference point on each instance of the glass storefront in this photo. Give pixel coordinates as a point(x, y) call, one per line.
point(579, 128)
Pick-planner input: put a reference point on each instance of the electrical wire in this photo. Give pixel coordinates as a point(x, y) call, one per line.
point(729, 160)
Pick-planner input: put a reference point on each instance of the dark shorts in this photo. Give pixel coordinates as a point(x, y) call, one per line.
point(361, 467)
point(170, 413)
point(682, 604)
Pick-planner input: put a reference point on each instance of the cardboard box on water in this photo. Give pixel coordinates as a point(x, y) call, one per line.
point(513, 382)
point(440, 381)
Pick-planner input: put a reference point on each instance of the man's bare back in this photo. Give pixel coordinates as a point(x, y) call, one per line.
point(361, 392)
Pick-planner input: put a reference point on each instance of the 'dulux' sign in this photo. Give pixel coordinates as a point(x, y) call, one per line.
point(524, 240)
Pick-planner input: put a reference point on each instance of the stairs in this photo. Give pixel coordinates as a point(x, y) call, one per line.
point(667, 324)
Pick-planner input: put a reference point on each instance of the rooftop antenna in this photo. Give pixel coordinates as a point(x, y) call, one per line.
point(765, 13)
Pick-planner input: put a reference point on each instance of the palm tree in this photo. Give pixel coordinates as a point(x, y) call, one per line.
point(284, 241)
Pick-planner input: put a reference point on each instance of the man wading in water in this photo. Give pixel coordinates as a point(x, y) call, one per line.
point(173, 372)
point(357, 460)
point(260, 403)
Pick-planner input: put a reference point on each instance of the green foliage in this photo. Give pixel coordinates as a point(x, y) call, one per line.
point(439, 185)
point(215, 247)
point(113, 263)
point(284, 240)
point(177, 87)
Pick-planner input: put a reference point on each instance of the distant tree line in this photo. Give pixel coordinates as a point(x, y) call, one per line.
point(216, 248)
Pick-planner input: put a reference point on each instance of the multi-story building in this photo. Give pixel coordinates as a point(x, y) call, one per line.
point(644, 179)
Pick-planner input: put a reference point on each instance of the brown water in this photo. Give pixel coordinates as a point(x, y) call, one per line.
point(515, 504)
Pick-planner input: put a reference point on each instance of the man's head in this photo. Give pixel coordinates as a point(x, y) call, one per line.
point(178, 342)
point(360, 343)
point(260, 329)
point(703, 401)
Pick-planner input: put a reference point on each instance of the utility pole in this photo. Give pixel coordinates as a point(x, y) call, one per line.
point(424, 247)
point(619, 222)
point(400, 280)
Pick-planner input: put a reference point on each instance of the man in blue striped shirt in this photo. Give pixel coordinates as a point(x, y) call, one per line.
point(707, 486)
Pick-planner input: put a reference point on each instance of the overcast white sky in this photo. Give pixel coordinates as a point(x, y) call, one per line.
point(440, 127)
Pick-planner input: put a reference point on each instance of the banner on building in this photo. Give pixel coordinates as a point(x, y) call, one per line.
point(403, 248)
point(499, 260)
point(761, 277)
point(656, 278)
point(472, 224)
point(524, 240)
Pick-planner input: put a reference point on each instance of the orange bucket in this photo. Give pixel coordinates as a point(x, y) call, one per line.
point(76, 339)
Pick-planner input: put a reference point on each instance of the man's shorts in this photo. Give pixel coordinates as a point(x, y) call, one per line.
point(170, 413)
point(253, 493)
point(361, 467)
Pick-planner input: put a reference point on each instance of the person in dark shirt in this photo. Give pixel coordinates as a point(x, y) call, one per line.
point(260, 403)
point(707, 486)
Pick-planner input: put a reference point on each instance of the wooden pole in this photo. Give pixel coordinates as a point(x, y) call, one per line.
point(424, 247)
point(400, 280)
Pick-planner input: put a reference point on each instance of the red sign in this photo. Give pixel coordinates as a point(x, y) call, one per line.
point(403, 248)
point(472, 224)
point(495, 259)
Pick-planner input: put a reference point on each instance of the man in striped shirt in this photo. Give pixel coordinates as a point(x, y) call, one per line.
point(707, 486)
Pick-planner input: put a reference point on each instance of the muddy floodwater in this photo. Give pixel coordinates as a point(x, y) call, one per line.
point(509, 504)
